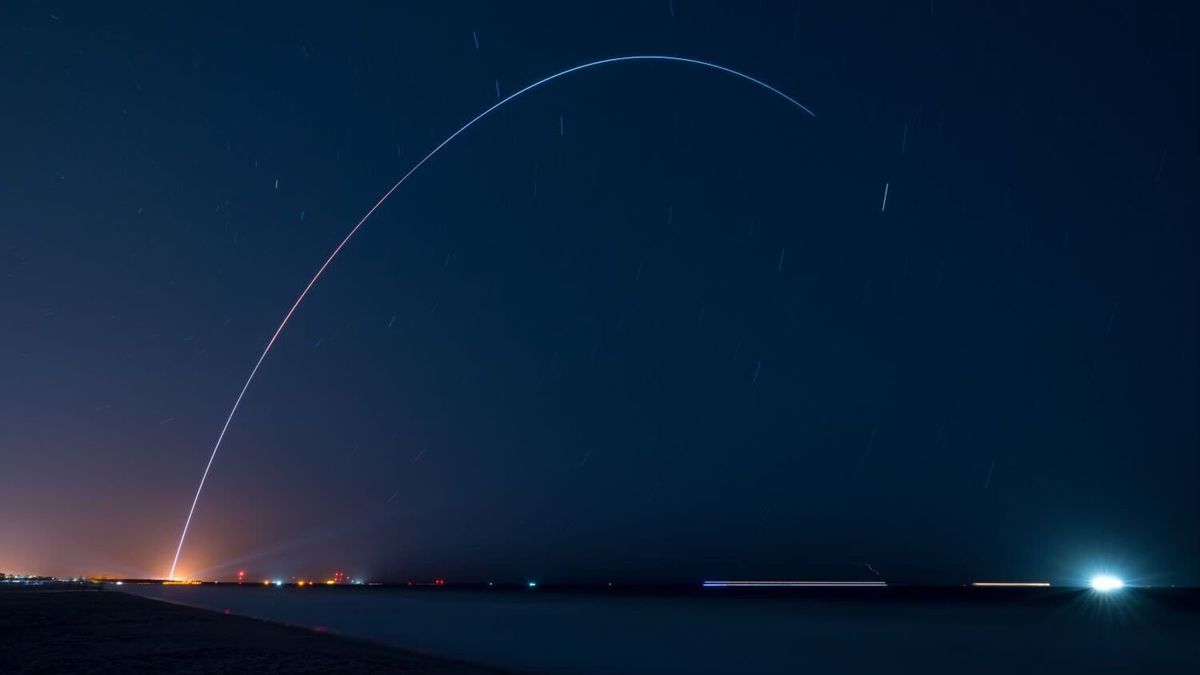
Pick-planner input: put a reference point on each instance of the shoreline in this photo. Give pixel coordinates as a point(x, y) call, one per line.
point(86, 630)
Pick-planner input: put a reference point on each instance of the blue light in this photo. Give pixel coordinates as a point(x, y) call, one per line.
point(1106, 583)
point(793, 584)
point(533, 584)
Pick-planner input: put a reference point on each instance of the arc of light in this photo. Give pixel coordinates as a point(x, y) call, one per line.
point(384, 198)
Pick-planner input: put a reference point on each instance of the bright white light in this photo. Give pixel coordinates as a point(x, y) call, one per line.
point(1106, 582)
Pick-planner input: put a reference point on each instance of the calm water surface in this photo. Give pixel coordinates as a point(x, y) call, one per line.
point(543, 631)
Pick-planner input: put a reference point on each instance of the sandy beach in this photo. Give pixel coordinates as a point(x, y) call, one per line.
point(91, 631)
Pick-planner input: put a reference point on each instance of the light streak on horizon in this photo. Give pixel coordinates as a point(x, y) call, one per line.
point(794, 584)
point(270, 343)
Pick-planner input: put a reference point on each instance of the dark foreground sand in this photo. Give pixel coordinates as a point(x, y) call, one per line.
point(90, 631)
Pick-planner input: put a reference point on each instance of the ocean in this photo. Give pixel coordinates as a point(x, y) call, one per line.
point(801, 631)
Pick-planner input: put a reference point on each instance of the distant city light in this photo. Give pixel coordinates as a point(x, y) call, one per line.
point(278, 583)
point(1106, 582)
point(533, 584)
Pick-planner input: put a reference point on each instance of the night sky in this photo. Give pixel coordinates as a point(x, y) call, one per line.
point(648, 322)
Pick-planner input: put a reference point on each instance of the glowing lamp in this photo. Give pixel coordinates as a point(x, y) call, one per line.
point(1106, 583)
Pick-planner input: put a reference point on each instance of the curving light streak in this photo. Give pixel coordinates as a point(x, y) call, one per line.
point(384, 198)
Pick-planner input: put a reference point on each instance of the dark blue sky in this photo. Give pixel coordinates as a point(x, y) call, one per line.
point(579, 355)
